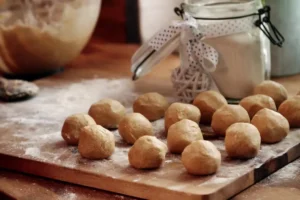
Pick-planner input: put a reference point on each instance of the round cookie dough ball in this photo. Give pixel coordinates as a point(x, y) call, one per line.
point(255, 103)
point(96, 142)
point(226, 116)
point(290, 109)
point(180, 111)
point(272, 89)
point(148, 152)
point(152, 105)
point(181, 134)
point(201, 158)
point(242, 141)
point(208, 102)
point(272, 126)
point(133, 126)
point(107, 113)
point(73, 125)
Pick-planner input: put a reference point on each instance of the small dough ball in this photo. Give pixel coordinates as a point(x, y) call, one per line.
point(201, 158)
point(152, 105)
point(179, 111)
point(96, 142)
point(148, 152)
point(133, 126)
point(242, 141)
point(255, 103)
point(226, 116)
point(208, 102)
point(183, 133)
point(274, 90)
point(290, 109)
point(73, 125)
point(273, 127)
point(107, 113)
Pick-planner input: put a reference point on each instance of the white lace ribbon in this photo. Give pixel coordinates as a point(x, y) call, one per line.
point(194, 33)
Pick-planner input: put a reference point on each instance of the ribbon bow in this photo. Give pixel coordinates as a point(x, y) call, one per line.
point(192, 35)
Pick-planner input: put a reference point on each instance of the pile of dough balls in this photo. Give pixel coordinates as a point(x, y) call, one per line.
point(245, 126)
point(90, 131)
point(73, 125)
point(94, 141)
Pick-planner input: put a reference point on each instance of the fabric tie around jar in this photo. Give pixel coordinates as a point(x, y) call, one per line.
point(193, 76)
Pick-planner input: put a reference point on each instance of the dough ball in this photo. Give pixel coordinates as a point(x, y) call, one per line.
point(148, 152)
point(201, 158)
point(179, 111)
point(255, 103)
point(73, 125)
point(96, 142)
point(208, 102)
point(107, 113)
point(242, 140)
point(152, 105)
point(290, 109)
point(274, 90)
point(226, 116)
point(183, 133)
point(273, 127)
point(133, 126)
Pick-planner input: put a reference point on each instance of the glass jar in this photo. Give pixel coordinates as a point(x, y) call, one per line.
point(244, 58)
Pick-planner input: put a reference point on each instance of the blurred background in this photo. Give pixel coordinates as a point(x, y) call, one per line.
point(135, 21)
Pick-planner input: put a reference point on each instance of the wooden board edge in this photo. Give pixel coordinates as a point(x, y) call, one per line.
point(140, 190)
point(258, 174)
point(69, 175)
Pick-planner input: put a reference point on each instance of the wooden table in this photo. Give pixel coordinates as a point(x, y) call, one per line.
point(114, 61)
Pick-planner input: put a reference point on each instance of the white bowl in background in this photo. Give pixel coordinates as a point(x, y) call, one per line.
point(38, 36)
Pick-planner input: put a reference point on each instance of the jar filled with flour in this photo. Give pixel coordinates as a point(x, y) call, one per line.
point(224, 45)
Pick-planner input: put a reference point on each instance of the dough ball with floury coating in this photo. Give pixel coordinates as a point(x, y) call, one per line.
point(148, 152)
point(290, 109)
point(96, 142)
point(133, 126)
point(208, 102)
point(107, 113)
point(272, 126)
point(180, 111)
point(73, 125)
point(152, 105)
point(201, 158)
point(274, 90)
point(255, 103)
point(226, 116)
point(242, 141)
point(181, 134)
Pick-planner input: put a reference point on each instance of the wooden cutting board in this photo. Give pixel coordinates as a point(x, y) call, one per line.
point(30, 142)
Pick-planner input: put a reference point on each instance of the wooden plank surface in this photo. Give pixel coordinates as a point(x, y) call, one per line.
point(31, 142)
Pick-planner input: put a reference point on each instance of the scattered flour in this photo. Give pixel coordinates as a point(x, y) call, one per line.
point(33, 151)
